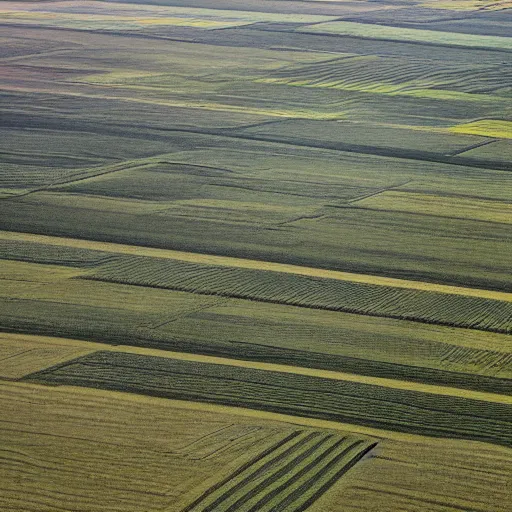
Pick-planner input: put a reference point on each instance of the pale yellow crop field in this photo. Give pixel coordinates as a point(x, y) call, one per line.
point(155, 454)
point(147, 454)
point(486, 127)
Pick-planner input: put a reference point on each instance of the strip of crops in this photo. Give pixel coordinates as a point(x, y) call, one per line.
point(305, 291)
point(51, 254)
point(16, 176)
point(299, 395)
point(485, 360)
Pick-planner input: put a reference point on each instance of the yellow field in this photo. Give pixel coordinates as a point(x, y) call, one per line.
point(486, 128)
point(18, 271)
point(94, 21)
point(411, 89)
point(469, 5)
point(416, 476)
point(260, 265)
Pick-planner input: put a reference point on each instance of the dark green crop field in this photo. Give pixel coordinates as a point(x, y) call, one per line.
point(255, 255)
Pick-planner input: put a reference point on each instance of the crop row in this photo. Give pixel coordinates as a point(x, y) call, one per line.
point(15, 176)
point(376, 406)
point(275, 341)
point(488, 360)
point(311, 292)
point(289, 477)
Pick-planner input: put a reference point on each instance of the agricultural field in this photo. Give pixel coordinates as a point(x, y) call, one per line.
point(255, 256)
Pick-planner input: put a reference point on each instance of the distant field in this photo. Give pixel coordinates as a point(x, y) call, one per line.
point(438, 205)
point(415, 35)
point(488, 128)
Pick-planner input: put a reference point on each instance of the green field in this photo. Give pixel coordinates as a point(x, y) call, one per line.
point(255, 256)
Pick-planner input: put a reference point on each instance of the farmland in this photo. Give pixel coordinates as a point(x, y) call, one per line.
point(255, 256)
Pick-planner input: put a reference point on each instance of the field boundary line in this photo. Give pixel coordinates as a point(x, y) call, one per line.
point(272, 367)
point(228, 261)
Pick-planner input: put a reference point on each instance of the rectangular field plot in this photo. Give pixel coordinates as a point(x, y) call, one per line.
point(51, 254)
point(329, 294)
point(314, 397)
point(424, 475)
point(365, 138)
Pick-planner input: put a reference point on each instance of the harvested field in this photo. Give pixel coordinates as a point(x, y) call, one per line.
point(289, 478)
point(146, 453)
point(161, 436)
